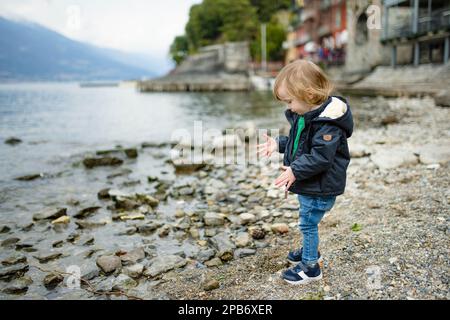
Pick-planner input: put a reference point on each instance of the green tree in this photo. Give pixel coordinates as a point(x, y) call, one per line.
point(276, 35)
point(218, 21)
point(266, 8)
point(179, 49)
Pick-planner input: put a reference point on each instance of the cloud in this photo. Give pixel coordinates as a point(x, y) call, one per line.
point(145, 26)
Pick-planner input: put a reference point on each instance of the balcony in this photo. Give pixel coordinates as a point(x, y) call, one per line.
point(438, 20)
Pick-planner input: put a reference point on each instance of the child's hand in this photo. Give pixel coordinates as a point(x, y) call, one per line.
point(287, 178)
point(266, 149)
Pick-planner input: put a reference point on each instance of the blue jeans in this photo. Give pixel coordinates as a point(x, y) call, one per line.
point(312, 209)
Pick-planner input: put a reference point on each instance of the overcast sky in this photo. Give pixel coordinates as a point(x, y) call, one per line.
point(144, 26)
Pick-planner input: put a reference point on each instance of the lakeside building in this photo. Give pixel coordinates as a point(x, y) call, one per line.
point(417, 31)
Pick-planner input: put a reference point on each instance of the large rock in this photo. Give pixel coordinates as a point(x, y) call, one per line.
point(50, 214)
point(13, 141)
point(52, 280)
point(18, 286)
point(210, 284)
point(431, 154)
point(86, 212)
point(134, 271)
point(30, 177)
point(133, 256)
point(241, 253)
point(14, 259)
point(183, 165)
point(246, 218)
point(163, 264)
point(190, 250)
point(393, 158)
point(242, 240)
point(223, 246)
point(206, 254)
point(280, 228)
point(149, 227)
point(10, 242)
point(442, 98)
point(14, 271)
point(48, 256)
point(101, 161)
point(214, 262)
point(124, 283)
point(214, 186)
point(213, 219)
point(109, 264)
point(131, 153)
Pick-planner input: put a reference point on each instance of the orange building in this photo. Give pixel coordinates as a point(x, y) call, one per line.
point(319, 31)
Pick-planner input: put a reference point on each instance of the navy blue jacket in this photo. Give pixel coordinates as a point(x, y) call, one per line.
point(321, 161)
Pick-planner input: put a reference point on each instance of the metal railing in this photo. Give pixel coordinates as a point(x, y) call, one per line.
point(436, 21)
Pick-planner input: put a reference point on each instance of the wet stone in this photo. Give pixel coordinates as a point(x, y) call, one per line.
point(213, 219)
point(109, 264)
point(133, 256)
point(50, 214)
point(131, 153)
point(149, 227)
point(12, 141)
point(124, 283)
point(18, 286)
point(240, 253)
point(15, 259)
point(86, 212)
point(101, 161)
point(14, 271)
point(52, 280)
point(10, 242)
point(223, 245)
point(134, 271)
point(30, 177)
point(46, 257)
point(163, 264)
point(103, 194)
point(4, 229)
point(205, 255)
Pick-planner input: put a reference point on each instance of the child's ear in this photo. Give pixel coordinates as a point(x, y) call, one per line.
point(309, 94)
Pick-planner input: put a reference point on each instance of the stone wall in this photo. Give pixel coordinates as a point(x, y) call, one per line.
point(364, 48)
point(222, 67)
point(231, 57)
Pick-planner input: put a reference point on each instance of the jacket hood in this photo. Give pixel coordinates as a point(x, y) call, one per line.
point(335, 110)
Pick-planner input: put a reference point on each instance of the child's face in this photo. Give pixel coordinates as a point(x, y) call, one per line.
point(293, 104)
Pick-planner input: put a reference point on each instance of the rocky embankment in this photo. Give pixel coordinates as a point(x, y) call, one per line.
point(386, 238)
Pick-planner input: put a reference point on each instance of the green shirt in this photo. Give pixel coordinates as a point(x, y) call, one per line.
point(300, 126)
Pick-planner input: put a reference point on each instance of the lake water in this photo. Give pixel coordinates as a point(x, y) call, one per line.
point(60, 124)
point(60, 120)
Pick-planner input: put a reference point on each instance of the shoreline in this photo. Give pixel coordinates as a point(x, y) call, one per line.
point(229, 228)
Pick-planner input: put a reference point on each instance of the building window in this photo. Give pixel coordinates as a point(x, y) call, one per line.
point(362, 33)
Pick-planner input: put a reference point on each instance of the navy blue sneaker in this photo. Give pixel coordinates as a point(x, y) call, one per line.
point(302, 274)
point(296, 256)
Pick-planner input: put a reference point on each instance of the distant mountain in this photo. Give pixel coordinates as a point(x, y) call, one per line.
point(29, 51)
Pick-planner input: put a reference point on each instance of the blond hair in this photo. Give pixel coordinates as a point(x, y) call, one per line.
point(304, 81)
